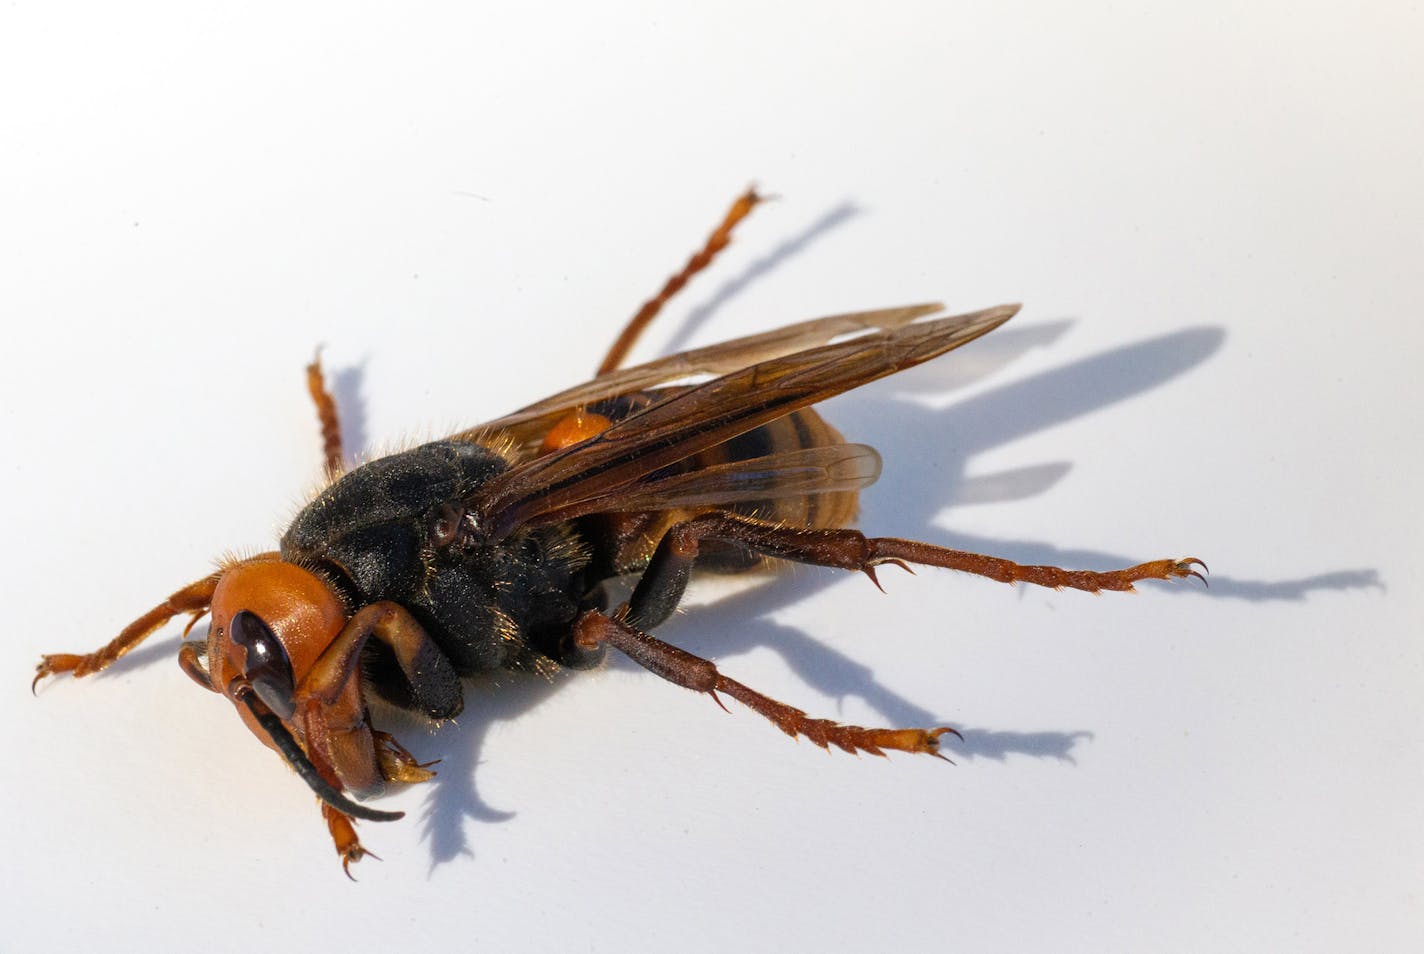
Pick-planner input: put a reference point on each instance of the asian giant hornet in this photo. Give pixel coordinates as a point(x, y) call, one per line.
point(490, 549)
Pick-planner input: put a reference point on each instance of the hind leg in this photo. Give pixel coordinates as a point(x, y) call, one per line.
point(663, 583)
point(661, 587)
point(594, 630)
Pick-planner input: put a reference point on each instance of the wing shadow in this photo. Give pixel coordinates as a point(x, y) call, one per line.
point(925, 478)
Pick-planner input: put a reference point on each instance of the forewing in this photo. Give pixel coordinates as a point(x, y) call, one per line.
point(589, 476)
point(529, 425)
point(798, 473)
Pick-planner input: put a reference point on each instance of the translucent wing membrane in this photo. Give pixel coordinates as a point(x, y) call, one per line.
point(816, 470)
point(594, 475)
point(528, 425)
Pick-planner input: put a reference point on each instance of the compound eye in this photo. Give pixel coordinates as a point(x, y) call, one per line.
point(268, 669)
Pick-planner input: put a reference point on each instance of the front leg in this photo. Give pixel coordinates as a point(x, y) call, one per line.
point(431, 685)
point(343, 835)
point(397, 765)
point(193, 598)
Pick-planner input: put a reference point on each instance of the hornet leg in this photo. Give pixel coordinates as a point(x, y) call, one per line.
point(433, 688)
point(679, 667)
point(193, 598)
point(717, 241)
point(330, 421)
point(432, 685)
point(661, 587)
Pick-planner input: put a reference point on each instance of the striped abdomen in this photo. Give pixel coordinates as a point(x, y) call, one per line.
point(625, 541)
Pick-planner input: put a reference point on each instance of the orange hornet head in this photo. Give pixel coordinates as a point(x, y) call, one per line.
point(278, 648)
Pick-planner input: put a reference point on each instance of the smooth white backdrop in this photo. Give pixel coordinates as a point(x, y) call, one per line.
point(1215, 217)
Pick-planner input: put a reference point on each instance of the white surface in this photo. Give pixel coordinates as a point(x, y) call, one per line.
point(1215, 217)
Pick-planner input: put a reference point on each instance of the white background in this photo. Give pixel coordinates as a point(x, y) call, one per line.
point(1215, 217)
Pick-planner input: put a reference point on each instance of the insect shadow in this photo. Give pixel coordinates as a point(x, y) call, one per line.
point(923, 478)
point(929, 453)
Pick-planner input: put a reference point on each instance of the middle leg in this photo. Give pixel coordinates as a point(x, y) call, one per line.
point(332, 452)
point(718, 240)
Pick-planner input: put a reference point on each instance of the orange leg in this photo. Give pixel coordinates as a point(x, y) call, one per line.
point(717, 241)
point(315, 767)
point(330, 421)
point(435, 690)
point(343, 835)
point(677, 666)
point(193, 598)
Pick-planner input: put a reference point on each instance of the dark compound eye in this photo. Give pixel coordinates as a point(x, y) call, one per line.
point(268, 669)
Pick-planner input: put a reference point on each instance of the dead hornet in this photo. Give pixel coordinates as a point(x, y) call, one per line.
point(490, 549)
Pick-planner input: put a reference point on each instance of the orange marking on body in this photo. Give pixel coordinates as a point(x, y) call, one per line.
point(578, 425)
